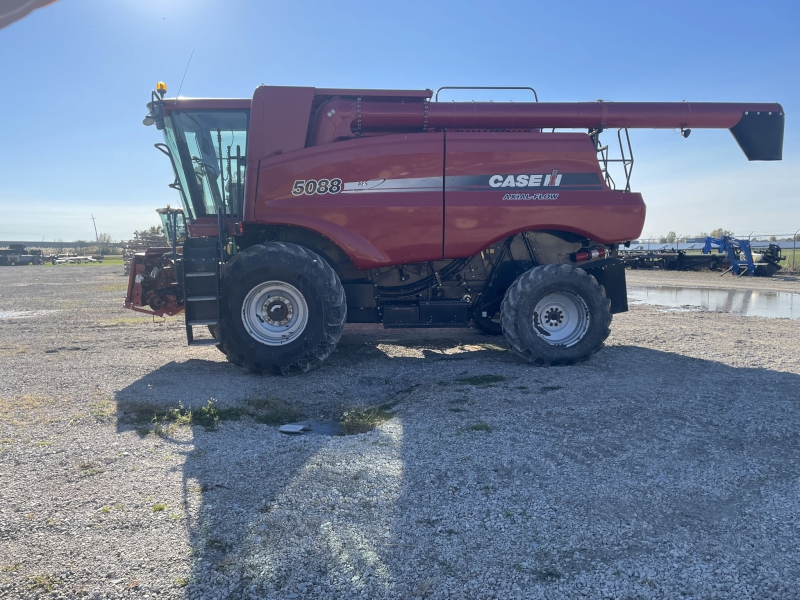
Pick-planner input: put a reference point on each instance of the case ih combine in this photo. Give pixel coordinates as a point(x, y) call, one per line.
point(307, 208)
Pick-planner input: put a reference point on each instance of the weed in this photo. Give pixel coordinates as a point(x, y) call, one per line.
point(6, 441)
point(88, 469)
point(159, 507)
point(649, 583)
point(43, 582)
point(550, 388)
point(480, 380)
point(44, 443)
point(11, 568)
point(176, 517)
point(367, 419)
point(182, 581)
point(479, 427)
point(105, 510)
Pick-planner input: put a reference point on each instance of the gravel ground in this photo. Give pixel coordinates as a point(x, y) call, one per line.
point(665, 467)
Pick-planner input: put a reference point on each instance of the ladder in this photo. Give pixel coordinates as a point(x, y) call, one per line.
point(201, 287)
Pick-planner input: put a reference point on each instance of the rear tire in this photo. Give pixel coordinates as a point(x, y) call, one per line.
point(283, 309)
point(556, 315)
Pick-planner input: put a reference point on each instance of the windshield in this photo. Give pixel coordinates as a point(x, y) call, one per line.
point(208, 148)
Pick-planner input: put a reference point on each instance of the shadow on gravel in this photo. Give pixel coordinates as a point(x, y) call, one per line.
point(638, 461)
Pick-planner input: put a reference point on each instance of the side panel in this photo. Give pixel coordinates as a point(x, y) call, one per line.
point(561, 188)
point(382, 200)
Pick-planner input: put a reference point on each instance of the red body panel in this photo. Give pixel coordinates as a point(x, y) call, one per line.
point(375, 227)
point(476, 217)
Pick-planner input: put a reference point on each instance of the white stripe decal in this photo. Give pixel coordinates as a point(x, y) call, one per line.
point(411, 184)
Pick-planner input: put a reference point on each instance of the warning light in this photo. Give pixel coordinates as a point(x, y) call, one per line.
point(161, 88)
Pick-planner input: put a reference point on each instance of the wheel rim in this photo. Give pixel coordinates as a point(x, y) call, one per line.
point(274, 313)
point(561, 319)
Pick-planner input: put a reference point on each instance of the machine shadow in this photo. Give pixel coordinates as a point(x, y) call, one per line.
point(610, 448)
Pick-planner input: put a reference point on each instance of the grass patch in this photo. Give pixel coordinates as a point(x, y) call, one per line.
point(273, 411)
point(181, 581)
point(480, 380)
point(102, 410)
point(479, 427)
point(26, 409)
point(105, 510)
point(159, 507)
point(269, 411)
point(88, 469)
point(11, 568)
point(366, 419)
point(43, 582)
point(43, 444)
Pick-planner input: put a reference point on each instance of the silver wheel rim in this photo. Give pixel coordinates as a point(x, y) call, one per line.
point(274, 313)
point(561, 319)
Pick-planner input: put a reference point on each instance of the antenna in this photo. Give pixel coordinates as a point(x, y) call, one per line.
point(184, 75)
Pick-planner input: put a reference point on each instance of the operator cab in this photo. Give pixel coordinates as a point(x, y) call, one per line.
point(206, 141)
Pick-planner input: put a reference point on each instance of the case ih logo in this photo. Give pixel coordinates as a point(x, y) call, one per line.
point(526, 181)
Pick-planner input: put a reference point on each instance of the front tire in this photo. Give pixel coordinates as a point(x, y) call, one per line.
point(283, 309)
point(556, 315)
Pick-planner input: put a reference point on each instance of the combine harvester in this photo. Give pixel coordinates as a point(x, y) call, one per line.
point(308, 208)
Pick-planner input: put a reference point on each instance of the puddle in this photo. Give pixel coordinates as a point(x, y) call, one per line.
point(24, 314)
point(750, 303)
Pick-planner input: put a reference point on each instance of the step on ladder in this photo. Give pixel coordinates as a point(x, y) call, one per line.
point(201, 275)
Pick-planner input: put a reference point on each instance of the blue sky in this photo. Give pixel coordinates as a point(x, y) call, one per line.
point(77, 76)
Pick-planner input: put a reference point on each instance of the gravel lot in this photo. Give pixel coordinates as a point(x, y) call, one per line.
point(665, 467)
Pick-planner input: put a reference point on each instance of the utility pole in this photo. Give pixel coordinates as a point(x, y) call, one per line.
point(96, 237)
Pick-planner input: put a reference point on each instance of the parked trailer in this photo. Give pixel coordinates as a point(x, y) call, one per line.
point(307, 208)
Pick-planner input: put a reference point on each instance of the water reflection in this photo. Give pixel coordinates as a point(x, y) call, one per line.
point(752, 303)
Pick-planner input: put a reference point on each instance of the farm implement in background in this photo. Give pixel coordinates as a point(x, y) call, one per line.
point(741, 258)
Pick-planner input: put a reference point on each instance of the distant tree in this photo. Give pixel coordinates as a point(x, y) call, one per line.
point(80, 245)
point(156, 229)
point(104, 243)
point(671, 236)
point(718, 233)
point(772, 238)
point(702, 234)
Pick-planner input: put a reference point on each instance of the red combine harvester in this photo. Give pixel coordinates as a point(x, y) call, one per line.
point(306, 208)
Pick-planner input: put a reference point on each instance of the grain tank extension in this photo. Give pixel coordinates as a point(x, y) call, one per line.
point(303, 209)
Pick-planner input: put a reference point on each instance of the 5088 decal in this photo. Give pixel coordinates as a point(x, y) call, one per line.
point(309, 187)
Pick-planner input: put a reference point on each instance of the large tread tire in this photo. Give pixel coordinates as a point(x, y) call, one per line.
point(524, 294)
point(316, 281)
